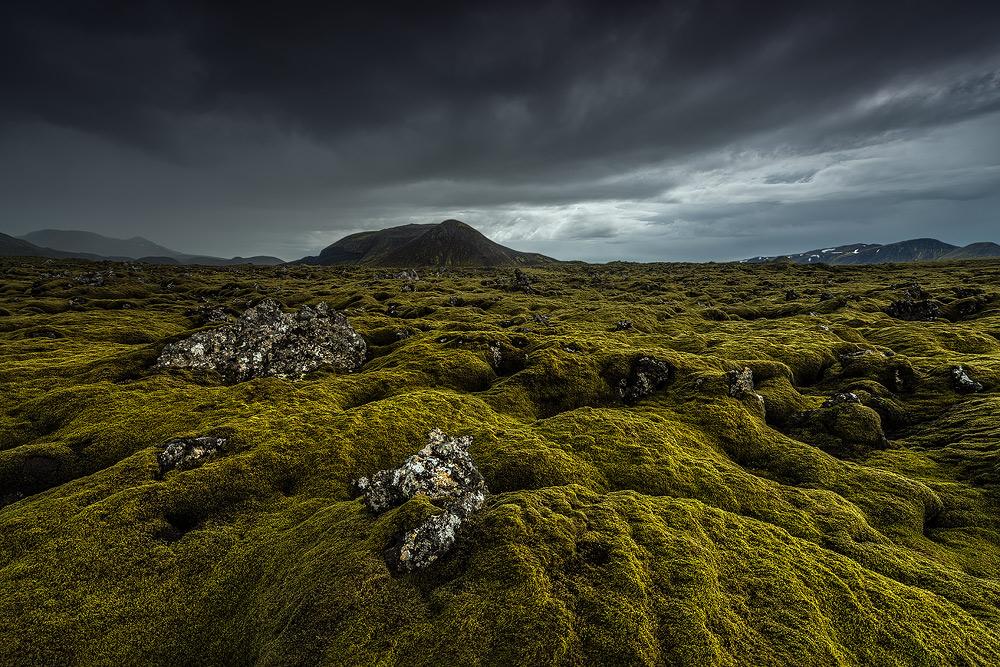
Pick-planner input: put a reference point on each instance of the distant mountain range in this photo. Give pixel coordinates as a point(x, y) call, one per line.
point(914, 250)
point(449, 243)
point(57, 243)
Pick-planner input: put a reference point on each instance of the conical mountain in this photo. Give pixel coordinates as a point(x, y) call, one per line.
point(450, 243)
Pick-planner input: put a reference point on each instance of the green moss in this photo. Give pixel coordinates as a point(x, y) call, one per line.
point(685, 528)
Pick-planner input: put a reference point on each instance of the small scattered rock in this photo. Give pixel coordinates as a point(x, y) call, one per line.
point(924, 310)
point(791, 295)
point(442, 470)
point(407, 274)
point(841, 397)
point(826, 296)
point(623, 325)
point(741, 383)
point(541, 319)
point(963, 383)
point(647, 375)
point(265, 341)
point(847, 357)
point(522, 282)
point(90, 278)
point(185, 453)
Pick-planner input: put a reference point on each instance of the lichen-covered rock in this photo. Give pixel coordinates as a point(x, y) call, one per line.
point(741, 383)
point(647, 376)
point(407, 274)
point(90, 278)
point(265, 341)
point(923, 310)
point(184, 453)
point(963, 383)
point(442, 470)
point(841, 397)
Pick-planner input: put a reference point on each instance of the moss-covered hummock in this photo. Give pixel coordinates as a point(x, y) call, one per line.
point(679, 526)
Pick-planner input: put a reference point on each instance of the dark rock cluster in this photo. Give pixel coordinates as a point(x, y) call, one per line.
point(963, 383)
point(266, 341)
point(522, 282)
point(90, 278)
point(647, 376)
point(840, 398)
point(442, 470)
point(184, 453)
point(924, 310)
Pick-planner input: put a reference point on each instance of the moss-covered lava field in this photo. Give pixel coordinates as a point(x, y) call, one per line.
point(694, 523)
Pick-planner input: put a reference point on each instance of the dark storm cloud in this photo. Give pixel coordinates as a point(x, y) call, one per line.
point(311, 117)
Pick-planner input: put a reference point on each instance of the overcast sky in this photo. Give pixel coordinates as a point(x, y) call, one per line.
point(674, 131)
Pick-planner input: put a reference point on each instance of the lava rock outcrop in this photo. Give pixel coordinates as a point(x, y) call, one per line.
point(442, 470)
point(266, 341)
point(185, 453)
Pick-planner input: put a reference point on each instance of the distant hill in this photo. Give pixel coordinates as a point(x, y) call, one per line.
point(450, 243)
point(11, 246)
point(97, 244)
point(974, 250)
point(88, 245)
point(914, 250)
point(357, 248)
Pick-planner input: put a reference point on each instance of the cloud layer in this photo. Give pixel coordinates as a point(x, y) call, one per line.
point(658, 131)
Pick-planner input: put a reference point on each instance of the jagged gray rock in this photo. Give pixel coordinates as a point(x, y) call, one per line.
point(183, 453)
point(741, 383)
point(266, 341)
point(840, 398)
point(907, 309)
point(963, 383)
point(407, 274)
point(647, 375)
point(442, 470)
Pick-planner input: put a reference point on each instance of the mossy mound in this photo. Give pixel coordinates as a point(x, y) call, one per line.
point(675, 525)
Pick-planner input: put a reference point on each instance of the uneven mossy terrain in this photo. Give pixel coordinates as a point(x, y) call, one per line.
point(684, 528)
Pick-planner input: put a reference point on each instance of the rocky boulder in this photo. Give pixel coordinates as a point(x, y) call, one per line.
point(741, 383)
point(647, 375)
point(185, 453)
point(963, 383)
point(924, 310)
point(266, 341)
point(443, 470)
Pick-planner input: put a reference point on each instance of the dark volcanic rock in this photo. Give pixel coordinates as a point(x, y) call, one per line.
point(265, 341)
point(647, 376)
point(913, 311)
point(741, 383)
point(184, 453)
point(442, 470)
point(522, 282)
point(623, 325)
point(841, 397)
point(90, 278)
point(791, 295)
point(963, 383)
